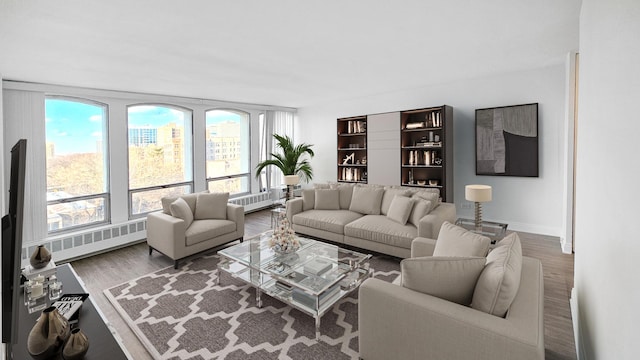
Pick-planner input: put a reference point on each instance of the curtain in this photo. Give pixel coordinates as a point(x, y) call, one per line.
point(24, 118)
point(276, 122)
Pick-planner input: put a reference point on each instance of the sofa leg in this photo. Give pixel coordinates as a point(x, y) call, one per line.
point(242, 239)
point(175, 264)
point(150, 250)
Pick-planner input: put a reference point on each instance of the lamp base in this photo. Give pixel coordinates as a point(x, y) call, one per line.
point(478, 216)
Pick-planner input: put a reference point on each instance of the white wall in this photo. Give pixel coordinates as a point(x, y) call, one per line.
point(607, 289)
point(526, 204)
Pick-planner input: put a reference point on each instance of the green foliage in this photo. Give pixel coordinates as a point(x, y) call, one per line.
point(290, 160)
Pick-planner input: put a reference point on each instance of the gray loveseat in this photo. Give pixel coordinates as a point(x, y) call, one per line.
point(369, 216)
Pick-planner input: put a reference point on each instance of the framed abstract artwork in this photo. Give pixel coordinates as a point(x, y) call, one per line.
point(507, 140)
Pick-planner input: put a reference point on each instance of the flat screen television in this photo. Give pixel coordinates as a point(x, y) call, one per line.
point(12, 247)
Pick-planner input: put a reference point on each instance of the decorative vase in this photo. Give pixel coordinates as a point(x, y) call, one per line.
point(48, 335)
point(40, 258)
point(76, 346)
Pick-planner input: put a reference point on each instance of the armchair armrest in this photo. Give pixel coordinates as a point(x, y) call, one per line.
point(429, 225)
point(165, 233)
point(294, 206)
point(422, 247)
point(235, 213)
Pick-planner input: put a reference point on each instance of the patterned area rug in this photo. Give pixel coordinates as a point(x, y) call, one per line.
point(181, 314)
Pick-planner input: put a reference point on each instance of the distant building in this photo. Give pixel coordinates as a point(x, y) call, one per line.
point(143, 135)
point(223, 141)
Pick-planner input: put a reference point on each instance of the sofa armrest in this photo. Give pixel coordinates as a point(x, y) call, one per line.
point(294, 206)
point(165, 233)
point(235, 213)
point(399, 323)
point(422, 247)
point(429, 225)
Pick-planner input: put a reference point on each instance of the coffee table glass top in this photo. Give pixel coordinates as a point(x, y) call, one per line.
point(313, 268)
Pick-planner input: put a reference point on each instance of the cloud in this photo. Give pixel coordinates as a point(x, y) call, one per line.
point(97, 134)
point(48, 119)
point(61, 133)
point(95, 118)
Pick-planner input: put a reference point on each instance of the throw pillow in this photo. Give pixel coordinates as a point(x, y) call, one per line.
point(308, 199)
point(327, 199)
point(189, 198)
point(346, 192)
point(432, 196)
point(456, 241)
point(211, 206)
point(387, 198)
point(400, 209)
point(452, 279)
point(499, 281)
point(366, 200)
point(320, 186)
point(181, 210)
point(420, 209)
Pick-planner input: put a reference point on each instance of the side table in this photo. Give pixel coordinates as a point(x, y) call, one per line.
point(493, 230)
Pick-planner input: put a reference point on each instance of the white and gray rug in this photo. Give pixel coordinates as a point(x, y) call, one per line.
point(181, 314)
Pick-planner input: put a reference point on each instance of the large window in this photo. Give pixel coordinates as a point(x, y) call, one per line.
point(160, 155)
point(77, 163)
point(228, 151)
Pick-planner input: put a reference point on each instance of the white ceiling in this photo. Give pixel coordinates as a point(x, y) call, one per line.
point(289, 53)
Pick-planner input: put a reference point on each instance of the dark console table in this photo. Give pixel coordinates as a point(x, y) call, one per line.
point(103, 342)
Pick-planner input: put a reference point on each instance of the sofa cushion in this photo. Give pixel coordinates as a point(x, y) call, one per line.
point(429, 195)
point(387, 198)
point(420, 209)
point(346, 192)
point(308, 199)
point(400, 209)
point(499, 281)
point(327, 199)
point(327, 220)
point(381, 229)
point(180, 209)
point(211, 206)
point(452, 279)
point(202, 230)
point(366, 200)
point(456, 241)
point(321, 186)
point(189, 198)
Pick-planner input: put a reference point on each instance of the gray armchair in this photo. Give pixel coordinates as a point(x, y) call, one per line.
point(192, 229)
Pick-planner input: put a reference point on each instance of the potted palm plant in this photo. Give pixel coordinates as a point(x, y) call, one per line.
point(290, 161)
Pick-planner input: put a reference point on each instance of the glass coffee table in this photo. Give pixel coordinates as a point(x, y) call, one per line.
point(312, 279)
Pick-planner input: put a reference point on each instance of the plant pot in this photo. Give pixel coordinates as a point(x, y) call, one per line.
point(76, 346)
point(40, 257)
point(48, 335)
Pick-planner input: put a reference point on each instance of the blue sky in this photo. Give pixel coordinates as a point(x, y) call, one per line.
point(74, 127)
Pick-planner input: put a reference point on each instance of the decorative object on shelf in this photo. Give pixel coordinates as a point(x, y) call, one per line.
point(415, 125)
point(364, 160)
point(40, 257)
point(410, 176)
point(433, 182)
point(48, 335)
point(76, 347)
point(478, 194)
point(348, 159)
point(289, 161)
point(421, 182)
point(284, 240)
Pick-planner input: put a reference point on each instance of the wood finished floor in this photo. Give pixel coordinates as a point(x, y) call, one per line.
point(106, 270)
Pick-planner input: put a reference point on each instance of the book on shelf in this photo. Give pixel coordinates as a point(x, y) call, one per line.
point(309, 300)
point(69, 305)
point(317, 266)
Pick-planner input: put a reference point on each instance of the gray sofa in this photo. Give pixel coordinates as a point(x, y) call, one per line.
point(365, 216)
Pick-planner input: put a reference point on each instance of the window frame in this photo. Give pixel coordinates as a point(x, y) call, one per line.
point(106, 195)
point(246, 175)
point(131, 192)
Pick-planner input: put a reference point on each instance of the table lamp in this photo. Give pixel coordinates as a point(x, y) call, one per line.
point(478, 194)
point(290, 181)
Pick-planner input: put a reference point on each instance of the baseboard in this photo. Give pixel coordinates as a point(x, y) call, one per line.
point(565, 246)
point(577, 331)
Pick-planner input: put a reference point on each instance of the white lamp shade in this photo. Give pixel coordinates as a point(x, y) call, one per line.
point(477, 193)
point(291, 179)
